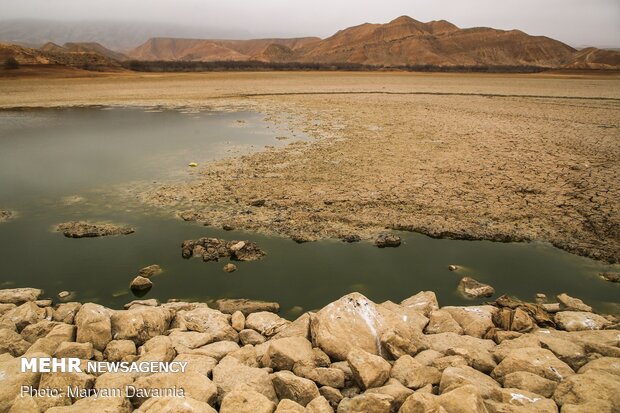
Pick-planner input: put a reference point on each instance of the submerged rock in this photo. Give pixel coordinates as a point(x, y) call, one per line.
point(150, 271)
point(230, 268)
point(613, 277)
point(6, 216)
point(388, 240)
point(83, 229)
point(471, 288)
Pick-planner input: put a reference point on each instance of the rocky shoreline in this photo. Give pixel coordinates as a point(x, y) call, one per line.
point(351, 356)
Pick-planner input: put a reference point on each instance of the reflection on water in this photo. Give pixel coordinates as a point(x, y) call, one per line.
point(57, 166)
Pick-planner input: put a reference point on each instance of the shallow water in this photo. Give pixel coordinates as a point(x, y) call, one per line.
point(47, 156)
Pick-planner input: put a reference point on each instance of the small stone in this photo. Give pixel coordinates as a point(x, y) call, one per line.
point(541, 298)
point(64, 294)
point(228, 227)
point(453, 267)
point(230, 268)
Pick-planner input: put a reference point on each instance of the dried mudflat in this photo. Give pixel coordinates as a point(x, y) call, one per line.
point(499, 157)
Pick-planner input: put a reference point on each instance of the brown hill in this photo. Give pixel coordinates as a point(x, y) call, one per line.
point(211, 50)
point(53, 54)
point(593, 58)
point(405, 41)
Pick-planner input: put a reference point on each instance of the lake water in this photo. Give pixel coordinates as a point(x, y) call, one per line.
point(48, 158)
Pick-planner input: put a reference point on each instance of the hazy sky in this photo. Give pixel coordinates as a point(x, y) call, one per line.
point(577, 22)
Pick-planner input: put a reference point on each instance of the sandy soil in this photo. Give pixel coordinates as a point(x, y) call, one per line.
point(501, 157)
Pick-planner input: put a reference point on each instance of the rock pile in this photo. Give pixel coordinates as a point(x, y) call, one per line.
point(82, 229)
point(352, 356)
point(212, 249)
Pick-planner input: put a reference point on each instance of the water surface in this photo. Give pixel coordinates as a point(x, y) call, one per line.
point(61, 165)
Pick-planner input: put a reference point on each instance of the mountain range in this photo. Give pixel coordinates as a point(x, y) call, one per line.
point(401, 42)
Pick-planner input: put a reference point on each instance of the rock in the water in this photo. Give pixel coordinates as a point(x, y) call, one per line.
point(388, 240)
point(580, 320)
point(230, 268)
point(140, 285)
point(351, 238)
point(298, 389)
point(6, 215)
point(246, 401)
point(150, 271)
point(613, 277)
point(212, 249)
point(471, 288)
point(63, 294)
point(368, 369)
point(230, 305)
point(82, 229)
point(453, 267)
point(568, 303)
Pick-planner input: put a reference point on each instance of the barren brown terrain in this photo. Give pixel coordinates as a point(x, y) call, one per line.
point(501, 157)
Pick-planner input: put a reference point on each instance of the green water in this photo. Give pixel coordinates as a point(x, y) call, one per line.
point(46, 156)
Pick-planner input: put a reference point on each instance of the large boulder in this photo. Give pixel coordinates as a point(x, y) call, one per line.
point(49, 344)
point(174, 405)
point(246, 401)
point(19, 295)
point(65, 312)
point(366, 403)
point(539, 361)
point(455, 377)
point(140, 324)
point(298, 389)
point(568, 303)
point(412, 374)
point(477, 351)
point(96, 404)
point(580, 320)
point(591, 386)
point(12, 379)
point(475, 320)
point(424, 301)
point(465, 399)
point(282, 354)
point(266, 323)
point(441, 321)
point(13, 343)
point(194, 385)
point(530, 382)
point(116, 350)
point(207, 320)
point(395, 390)
point(231, 375)
point(354, 321)
point(23, 315)
point(368, 369)
point(94, 325)
point(289, 406)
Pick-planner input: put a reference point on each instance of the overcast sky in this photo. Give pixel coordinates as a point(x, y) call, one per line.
point(577, 22)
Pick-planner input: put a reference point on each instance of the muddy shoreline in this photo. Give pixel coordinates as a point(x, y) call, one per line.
point(502, 158)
